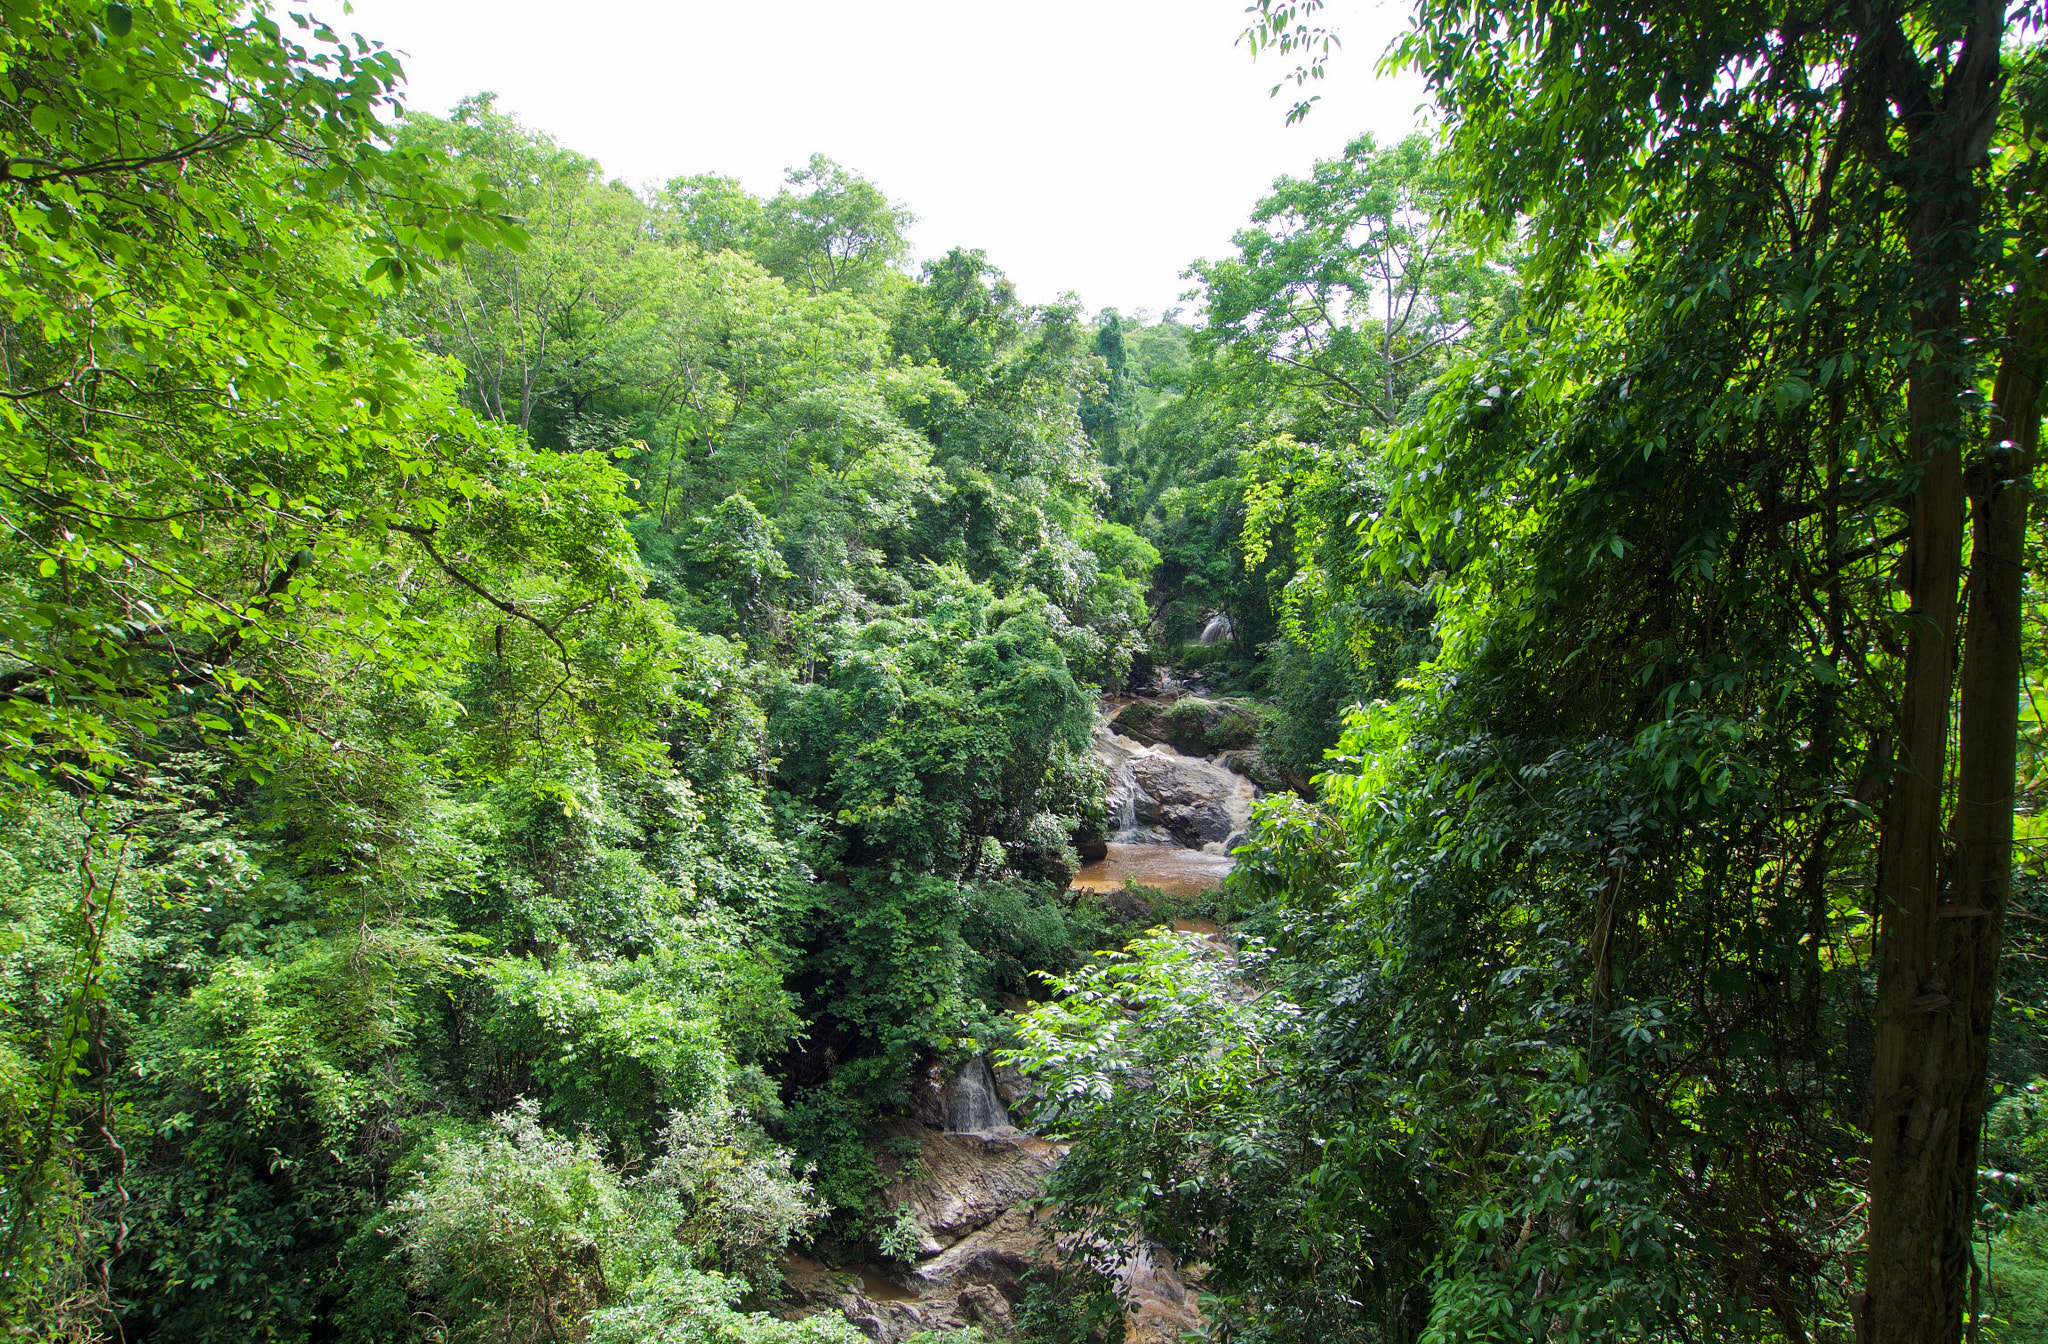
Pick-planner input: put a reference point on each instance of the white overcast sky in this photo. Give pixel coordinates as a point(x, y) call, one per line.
point(1096, 146)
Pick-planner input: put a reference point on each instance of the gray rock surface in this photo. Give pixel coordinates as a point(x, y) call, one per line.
point(960, 1183)
point(981, 1239)
point(1158, 796)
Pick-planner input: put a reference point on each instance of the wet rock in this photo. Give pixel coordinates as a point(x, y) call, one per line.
point(997, 1256)
point(981, 1244)
point(968, 1100)
point(1158, 796)
point(984, 1306)
point(811, 1288)
point(1197, 825)
point(1141, 721)
point(1253, 765)
point(928, 1096)
point(1013, 1086)
point(1092, 848)
point(884, 1311)
point(972, 1104)
point(961, 1183)
point(1166, 781)
point(1162, 1307)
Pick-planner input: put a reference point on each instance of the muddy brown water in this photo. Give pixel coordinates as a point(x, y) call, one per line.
point(875, 1285)
point(1173, 870)
point(879, 1287)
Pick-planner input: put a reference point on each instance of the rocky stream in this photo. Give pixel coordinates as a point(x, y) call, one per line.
point(1182, 776)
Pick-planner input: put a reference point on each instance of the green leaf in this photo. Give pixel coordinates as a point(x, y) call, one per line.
point(120, 19)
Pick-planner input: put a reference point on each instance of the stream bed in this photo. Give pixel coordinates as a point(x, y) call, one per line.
point(1170, 868)
point(1173, 817)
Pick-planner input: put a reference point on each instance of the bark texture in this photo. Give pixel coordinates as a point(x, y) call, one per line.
point(1927, 1077)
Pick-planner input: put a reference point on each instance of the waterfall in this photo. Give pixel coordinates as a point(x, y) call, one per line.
point(1122, 790)
point(1123, 797)
point(972, 1106)
point(1217, 630)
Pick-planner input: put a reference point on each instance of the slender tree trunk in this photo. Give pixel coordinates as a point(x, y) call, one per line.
point(1926, 1079)
point(1980, 880)
point(1912, 1277)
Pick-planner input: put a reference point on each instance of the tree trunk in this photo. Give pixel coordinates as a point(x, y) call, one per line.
point(1926, 1078)
point(1912, 1278)
point(1980, 880)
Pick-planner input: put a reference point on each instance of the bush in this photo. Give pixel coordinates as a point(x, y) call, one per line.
point(2015, 1159)
point(728, 1193)
point(511, 1231)
point(2016, 1280)
point(678, 1305)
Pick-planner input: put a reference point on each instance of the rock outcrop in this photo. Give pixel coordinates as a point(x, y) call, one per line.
point(980, 1242)
point(958, 1184)
point(1192, 724)
point(1158, 796)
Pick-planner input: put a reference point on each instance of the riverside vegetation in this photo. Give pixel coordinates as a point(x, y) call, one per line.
point(532, 711)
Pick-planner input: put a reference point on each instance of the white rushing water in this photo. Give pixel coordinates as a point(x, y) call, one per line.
point(972, 1106)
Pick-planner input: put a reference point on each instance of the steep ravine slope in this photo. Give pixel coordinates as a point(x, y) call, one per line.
point(964, 1175)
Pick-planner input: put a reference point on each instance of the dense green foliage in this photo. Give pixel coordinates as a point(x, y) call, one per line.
point(508, 681)
point(533, 712)
point(1578, 967)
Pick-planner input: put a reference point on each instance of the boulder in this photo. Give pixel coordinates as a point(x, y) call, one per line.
point(1191, 724)
point(928, 1096)
point(1168, 781)
point(981, 1244)
point(1126, 907)
point(1162, 1309)
point(997, 1256)
point(1158, 796)
point(1197, 825)
point(884, 1311)
point(986, 1307)
point(1253, 765)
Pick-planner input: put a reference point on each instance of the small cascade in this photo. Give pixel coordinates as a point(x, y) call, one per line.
point(972, 1106)
point(1156, 796)
point(1216, 631)
point(1123, 797)
point(1125, 793)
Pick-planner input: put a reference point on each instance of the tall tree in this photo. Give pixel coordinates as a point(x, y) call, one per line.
point(1109, 413)
point(1612, 139)
point(546, 328)
point(246, 519)
point(1352, 284)
point(831, 229)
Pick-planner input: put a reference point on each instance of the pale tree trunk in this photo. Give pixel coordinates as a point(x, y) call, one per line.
point(1927, 1075)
